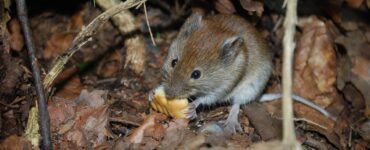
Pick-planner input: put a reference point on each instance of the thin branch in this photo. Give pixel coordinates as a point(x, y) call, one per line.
point(85, 36)
point(42, 106)
point(128, 122)
point(147, 23)
point(289, 138)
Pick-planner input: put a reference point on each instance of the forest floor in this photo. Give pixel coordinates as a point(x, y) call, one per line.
point(100, 100)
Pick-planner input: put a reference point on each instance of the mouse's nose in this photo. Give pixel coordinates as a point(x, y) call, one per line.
point(171, 93)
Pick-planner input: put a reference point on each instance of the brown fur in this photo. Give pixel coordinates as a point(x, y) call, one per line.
point(198, 46)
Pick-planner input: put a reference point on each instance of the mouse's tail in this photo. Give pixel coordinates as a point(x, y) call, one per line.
point(272, 96)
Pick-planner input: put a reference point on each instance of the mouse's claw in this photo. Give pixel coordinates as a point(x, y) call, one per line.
point(231, 126)
point(190, 111)
point(158, 89)
point(151, 96)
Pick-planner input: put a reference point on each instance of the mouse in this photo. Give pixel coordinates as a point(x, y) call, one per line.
point(217, 59)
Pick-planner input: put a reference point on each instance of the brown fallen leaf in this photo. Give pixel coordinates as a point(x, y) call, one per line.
point(270, 145)
point(355, 97)
point(77, 20)
point(60, 111)
point(16, 41)
point(150, 121)
point(71, 89)
point(81, 121)
point(354, 67)
point(354, 3)
point(225, 6)
point(315, 63)
point(266, 126)
point(175, 133)
point(193, 143)
point(14, 142)
point(92, 122)
point(364, 130)
point(57, 44)
point(253, 6)
point(110, 65)
point(95, 98)
point(77, 139)
point(11, 74)
point(315, 76)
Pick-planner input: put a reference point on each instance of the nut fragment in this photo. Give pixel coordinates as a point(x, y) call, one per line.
point(171, 107)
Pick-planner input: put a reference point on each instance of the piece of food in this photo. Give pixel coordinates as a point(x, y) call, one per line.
point(173, 108)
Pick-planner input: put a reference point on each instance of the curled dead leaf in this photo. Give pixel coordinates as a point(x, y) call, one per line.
point(14, 142)
point(253, 6)
point(225, 6)
point(315, 63)
point(149, 123)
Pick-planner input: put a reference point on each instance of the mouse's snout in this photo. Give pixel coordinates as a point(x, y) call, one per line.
point(171, 93)
point(175, 92)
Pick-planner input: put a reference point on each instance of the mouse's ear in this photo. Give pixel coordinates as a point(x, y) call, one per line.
point(191, 24)
point(230, 49)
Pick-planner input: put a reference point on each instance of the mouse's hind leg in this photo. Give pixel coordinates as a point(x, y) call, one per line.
point(231, 124)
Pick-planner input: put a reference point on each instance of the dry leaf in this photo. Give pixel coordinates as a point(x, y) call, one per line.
point(252, 6)
point(354, 68)
point(225, 6)
point(60, 110)
point(270, 145)
point(354, 3)
point(364, 130)
point(92, 122)
point(14, 142)
point(77, 137)
point(315, 73)
point(57, 44)
point(110, 65)
point(315, 63)
point(16, 41)
point(77, 20)
point(149, 122)
point(266, 126)
point(175, 133)
point(354, 96)
point(71, 89)
point(95, 98)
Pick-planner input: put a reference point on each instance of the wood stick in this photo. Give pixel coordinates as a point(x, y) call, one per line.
point(42, 106)
point(289, 138)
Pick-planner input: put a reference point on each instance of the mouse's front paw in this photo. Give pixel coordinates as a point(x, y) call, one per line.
point(190, 111)
point(231, 126)
point(151, 96)
point(152, 93)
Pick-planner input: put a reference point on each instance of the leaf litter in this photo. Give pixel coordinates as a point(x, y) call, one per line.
point(98, 104)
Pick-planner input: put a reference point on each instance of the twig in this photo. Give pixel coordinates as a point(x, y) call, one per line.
point(8, 105)
point(85, 36)
point(128, 122)
point(289, 138)
point(147, 23)
point(43, 112)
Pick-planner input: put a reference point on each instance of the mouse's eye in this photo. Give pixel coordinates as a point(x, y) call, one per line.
point(195, 74)
point(174, 62)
